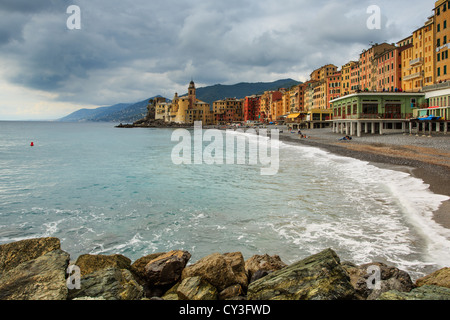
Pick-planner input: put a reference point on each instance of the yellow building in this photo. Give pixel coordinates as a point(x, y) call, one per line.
point(418, 60)
point(160, 110)
point(442, 38)
point(320, 95)
point(323, 72)
point(348, 74)
point(309, 95)
point(188, 109)
point(316, 97)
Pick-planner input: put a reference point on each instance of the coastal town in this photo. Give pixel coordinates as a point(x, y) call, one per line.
point(390, 87)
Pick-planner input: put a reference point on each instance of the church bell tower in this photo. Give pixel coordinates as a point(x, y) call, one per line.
point(192, 94)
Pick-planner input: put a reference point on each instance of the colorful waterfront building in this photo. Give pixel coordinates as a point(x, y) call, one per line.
point(438, 97)
point(375, 112)
point(367, 67)
point(266, 104)
point(350, 77)
point(252, 105)
point(229, 110)
point(418, 58)
point(389, 69)
point(188, 109)
point(317, 95)
point(442, 40)
point(334, 83)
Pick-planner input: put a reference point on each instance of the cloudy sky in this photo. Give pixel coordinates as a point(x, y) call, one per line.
point(127, 51)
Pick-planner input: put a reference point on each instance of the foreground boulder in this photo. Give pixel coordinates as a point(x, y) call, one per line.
point(109, 284)
point(15, 253)
point(43, 278)
point(425, 292)
point(439, 278)
point(237, 264)
point(391, 278)
point(138, 267)
point(166, 269)
point(221, 271)
point(319, 277)
point(195, 288)
point(90, 263)
point(261, 265)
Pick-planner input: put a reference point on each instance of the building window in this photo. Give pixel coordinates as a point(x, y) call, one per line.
point(445, 70)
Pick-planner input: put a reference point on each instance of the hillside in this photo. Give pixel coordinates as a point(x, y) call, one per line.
point(90, 114)
point(240, 90)
point(131, 112)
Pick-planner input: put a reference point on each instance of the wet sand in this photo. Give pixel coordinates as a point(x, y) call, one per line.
point(424, 157)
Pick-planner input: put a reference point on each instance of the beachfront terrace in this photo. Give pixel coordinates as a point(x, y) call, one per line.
point(374, 112)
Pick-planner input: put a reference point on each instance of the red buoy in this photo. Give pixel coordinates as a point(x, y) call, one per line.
point(32, 144)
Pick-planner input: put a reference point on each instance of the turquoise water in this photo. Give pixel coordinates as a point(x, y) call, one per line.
point(104, 190)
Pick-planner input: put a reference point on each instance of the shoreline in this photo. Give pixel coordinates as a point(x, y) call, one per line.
point(429, 162)
point(435, 174)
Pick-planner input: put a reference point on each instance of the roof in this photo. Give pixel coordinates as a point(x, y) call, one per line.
point(293, 115)
point(379, 93)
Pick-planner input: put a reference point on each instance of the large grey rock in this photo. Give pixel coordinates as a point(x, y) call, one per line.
point(43, 278)
point(15, 253)
point(391, 278)
point(319, 277)
point(425, 292)
point(109, 284)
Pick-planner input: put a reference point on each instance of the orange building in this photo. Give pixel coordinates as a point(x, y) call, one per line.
point(266, 104)
point(389, 75)
point(334, 83)
point(367, 67)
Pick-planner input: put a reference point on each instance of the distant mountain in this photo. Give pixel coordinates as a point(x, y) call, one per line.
point(91, 114)
point(131, 112)
point(122, 112)
point(241, 90)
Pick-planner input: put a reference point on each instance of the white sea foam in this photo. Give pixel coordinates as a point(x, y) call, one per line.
point(405, 209)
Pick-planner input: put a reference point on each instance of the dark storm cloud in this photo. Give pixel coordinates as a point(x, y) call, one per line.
point(130, 50)
point(34, 6)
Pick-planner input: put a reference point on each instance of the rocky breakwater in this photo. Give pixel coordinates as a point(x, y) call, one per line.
point(37, 269)
point(153, 124)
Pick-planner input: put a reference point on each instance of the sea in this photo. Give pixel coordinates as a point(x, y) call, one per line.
point(105, 190)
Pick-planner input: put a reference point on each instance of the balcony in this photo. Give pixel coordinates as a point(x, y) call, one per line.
point(416, 62)
point(412, 76)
